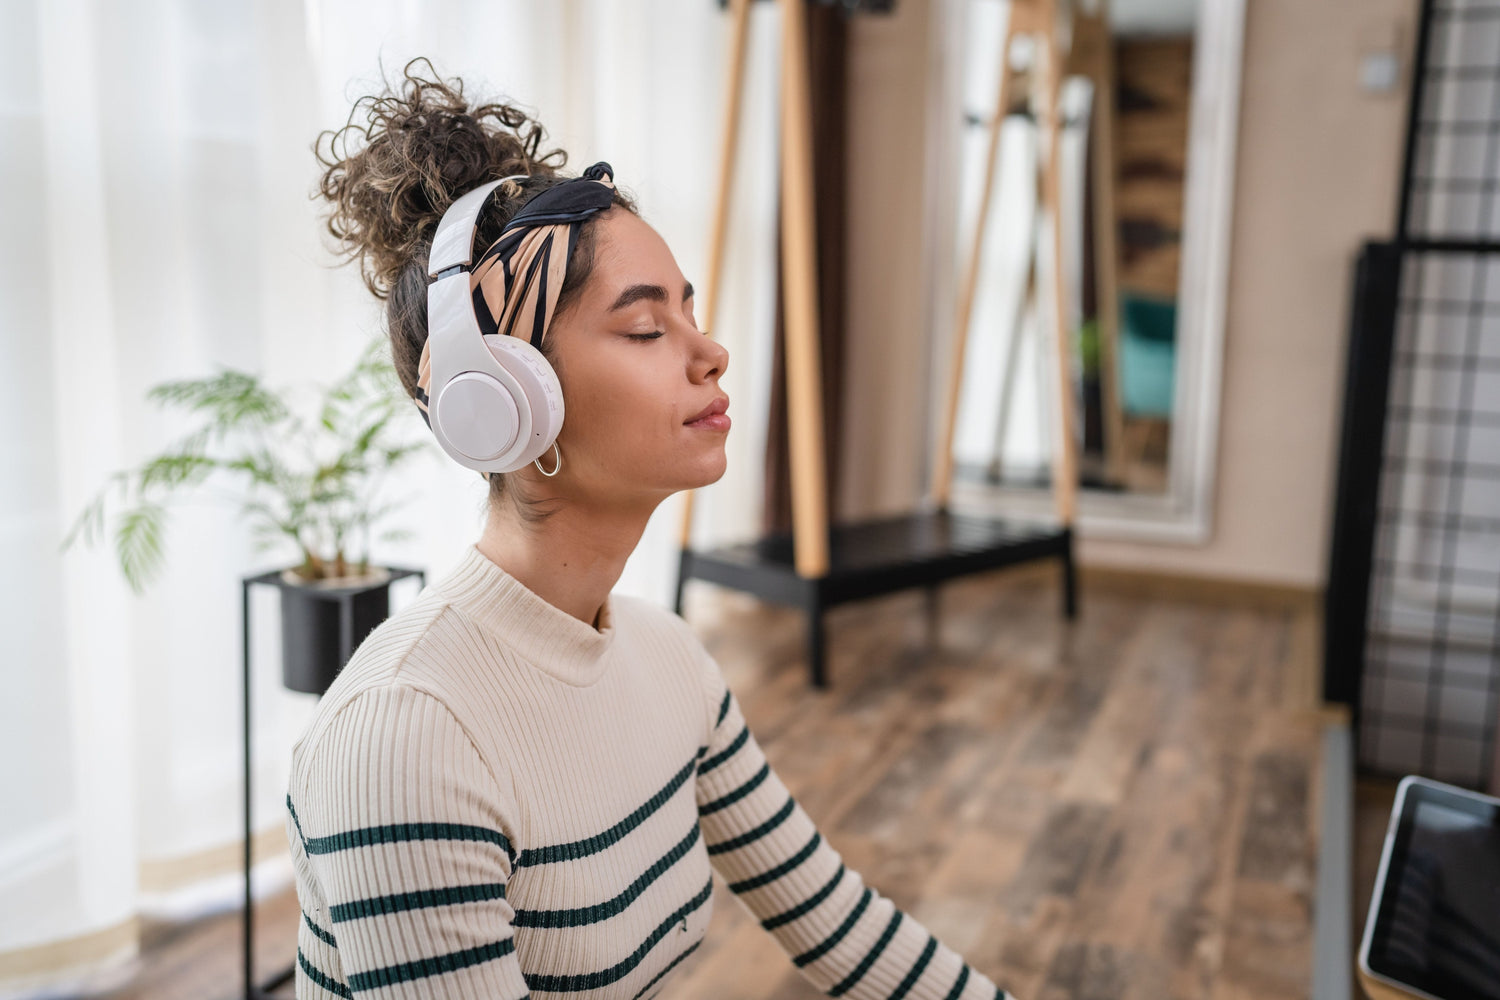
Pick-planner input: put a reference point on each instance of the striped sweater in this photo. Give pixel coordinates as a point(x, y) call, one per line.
point(495, 800)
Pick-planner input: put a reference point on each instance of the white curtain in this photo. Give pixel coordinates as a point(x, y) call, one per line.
point(155, 172)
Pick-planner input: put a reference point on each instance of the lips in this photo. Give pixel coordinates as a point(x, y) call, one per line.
point(718, 406)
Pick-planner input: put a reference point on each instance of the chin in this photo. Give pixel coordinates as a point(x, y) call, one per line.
point(708, 474)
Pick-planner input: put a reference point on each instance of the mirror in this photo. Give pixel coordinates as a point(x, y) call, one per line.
point(1146, 154)
point(1131, 178)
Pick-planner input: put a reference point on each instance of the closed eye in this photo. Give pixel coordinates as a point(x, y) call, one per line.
point(644, 336)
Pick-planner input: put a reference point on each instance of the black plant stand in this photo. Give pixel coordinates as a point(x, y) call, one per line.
point(345, 597)
point(881, 556)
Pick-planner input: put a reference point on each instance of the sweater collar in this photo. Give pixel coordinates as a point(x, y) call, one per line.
point(546, 636)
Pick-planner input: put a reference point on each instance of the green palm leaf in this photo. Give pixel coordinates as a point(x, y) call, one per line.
point(139, 543)
point(293, 495)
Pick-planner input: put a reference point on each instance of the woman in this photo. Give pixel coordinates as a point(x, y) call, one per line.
point(522, 782)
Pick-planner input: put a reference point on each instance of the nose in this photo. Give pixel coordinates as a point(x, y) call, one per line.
point(710, 359)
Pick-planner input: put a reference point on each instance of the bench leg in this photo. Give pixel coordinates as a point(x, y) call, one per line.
point(816, 642)
point(1069, 580)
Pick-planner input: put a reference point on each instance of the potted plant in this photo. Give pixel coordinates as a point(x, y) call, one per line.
point(312, 485)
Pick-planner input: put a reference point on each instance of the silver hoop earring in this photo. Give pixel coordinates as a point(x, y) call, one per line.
point(538, 463)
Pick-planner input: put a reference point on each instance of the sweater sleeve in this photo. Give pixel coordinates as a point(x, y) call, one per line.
point(842, 935)
point(402, 823)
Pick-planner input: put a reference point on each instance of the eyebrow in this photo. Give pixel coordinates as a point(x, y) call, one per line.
point(656, 293)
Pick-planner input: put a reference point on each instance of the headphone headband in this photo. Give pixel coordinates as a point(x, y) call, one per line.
point(453, 244)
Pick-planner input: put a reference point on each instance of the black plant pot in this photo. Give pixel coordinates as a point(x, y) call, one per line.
point(322, 623)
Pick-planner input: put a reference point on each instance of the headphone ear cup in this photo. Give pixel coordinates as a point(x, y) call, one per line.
point(480, 417)
point(541, 395)
point(494, 404)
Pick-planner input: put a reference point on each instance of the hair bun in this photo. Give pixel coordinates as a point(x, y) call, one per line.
point(420, 147)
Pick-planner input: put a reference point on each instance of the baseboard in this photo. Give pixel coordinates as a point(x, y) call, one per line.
point(1207, 589)
point(87, 963)
point(166, 875)
point(1176, 586)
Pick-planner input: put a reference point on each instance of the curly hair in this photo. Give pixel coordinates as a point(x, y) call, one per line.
point(392, 170)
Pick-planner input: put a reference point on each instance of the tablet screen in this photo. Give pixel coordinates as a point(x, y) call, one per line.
point(1438, 927)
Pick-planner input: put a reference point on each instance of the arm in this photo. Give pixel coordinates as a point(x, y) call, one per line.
point(401, 823)
point(843, 936)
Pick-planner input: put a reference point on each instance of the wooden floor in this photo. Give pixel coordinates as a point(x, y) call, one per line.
point(1124, 807)
point(1373, 800)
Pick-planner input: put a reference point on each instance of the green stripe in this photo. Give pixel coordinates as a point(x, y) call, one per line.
point(958, 987)
point(728, 752)
point(455, 831)
point(320, 932)
point(869, 959)
point(397, 833)
point(738, 793)
point(757, 833)
point(321, 978)
point(808, 957)
point(399, 902)
point(603, 911)
point(436, 966)
point(602, 841)
point(595, 980)
point(723, 709)
point(916, 970)
point(775, 873)
point(295, 823)
point(670, 966)
point(807, 905)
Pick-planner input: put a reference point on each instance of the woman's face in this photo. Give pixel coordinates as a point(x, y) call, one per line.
point(635, 371)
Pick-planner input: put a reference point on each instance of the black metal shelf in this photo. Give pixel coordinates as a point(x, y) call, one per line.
point(345, 596)
point(879, 556)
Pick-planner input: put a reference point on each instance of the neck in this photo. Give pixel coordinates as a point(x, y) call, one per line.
point(571, 559)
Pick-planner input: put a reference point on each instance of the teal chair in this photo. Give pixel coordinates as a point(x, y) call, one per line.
point(1148, 354)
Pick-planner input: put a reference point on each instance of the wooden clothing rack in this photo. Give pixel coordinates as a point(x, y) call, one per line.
point(819, 566)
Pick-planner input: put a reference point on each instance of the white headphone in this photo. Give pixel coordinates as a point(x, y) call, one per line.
point(495, 402)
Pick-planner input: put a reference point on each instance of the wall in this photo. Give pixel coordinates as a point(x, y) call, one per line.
point(884, 437)
point(1318, 171)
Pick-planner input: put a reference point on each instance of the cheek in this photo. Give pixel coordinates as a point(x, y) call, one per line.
point(620, 411)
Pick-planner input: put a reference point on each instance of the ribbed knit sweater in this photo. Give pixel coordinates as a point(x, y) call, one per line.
point(495, 799)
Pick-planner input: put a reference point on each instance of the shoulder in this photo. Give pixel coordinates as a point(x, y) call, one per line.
point(677, 638)
point(367, 720)
point(391, 756)
point(645, 620)
point(389, 743)
point(639, 613)
point(385, 693)
point(430, 644)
